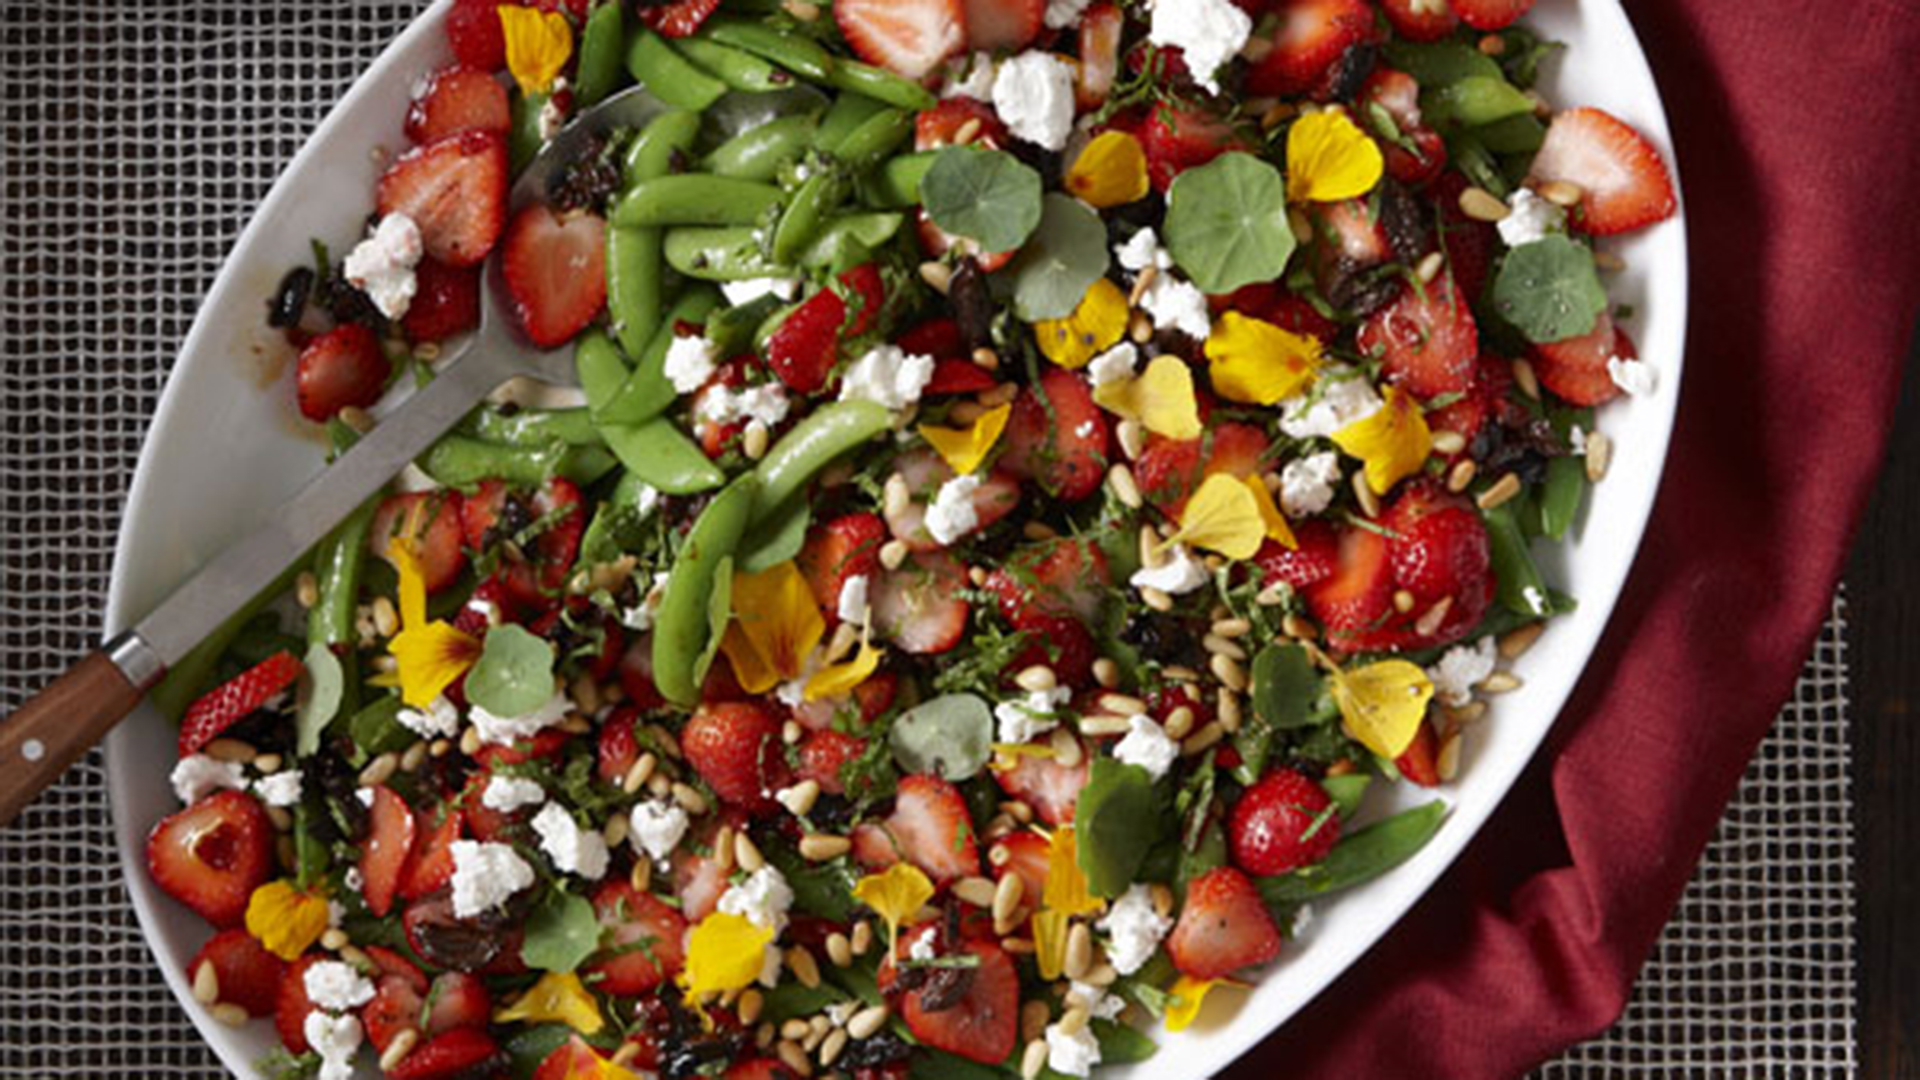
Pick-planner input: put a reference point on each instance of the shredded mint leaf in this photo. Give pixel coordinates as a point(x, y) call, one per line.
point(1114, 822)
point(987, 196)
point(1227, 223)
point(514, 675)
point(562, 933)
point(321, 688)
point(950, 735)
point(1067, 254)
point(1549, 290)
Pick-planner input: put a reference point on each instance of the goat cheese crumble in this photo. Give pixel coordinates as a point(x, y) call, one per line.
point(762, 899)
point(1133, 929)
point(439, 720)
point(724, 405)
point(1342, 396)
point(888, 377)
point(509, 793)
point(573, 850)
point(1636, 377)
point(1209, 33)
point(852, 604)
point(382, 265)
point(335, 986)
point(198, 776)
point(657, 828)
point(1072, 1054)
point(507, 730)
point(485, 874)
point(1181, 573)
point(952, 515)
point(1529, 218)
point(1307, 484)
point(279, 789)
point(1460, 669)
point(689, 363)
point(1033, 93)
point(1146, 744)
point(1021, 721)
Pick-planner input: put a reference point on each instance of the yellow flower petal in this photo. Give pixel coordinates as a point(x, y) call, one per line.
point(1094, 327)
point(559, 997)
point(285, 920)
point(1050, 929)
point(1329, 158)
point(413, 584)
point(840, 679)
point(1222, 516)
point(776, 623)
point(1186, 996)
point(1006, 756)
point(430, 658)
point(1066, 890)
point(1258, 363)
point(724, 952)
point(1394, 441)
point(1276, 523)
point(1111, 171)
point(538, 46)
point(1383, 704)
point(894, 895)
point(965, 448)
point(1161, 398)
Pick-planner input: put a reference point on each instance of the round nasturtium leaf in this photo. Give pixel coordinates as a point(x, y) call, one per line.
point(1227, 223)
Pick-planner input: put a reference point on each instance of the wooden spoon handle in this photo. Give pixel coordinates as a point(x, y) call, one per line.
point(57, 725)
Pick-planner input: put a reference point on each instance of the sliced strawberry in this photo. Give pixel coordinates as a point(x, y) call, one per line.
point(574, 1059)
point(1419, 153)
point(1062, 643)
point(292, 1005)
point(1223, 928)
point(1485, 402)
point(1311, 36)
point(1314, 559)
point(546, 745)
point(235, 700)
point(930, 828)
point(938, 337)
point(1419, 763)
point(1281, 824)
point(446, 302)
point(636, 675)
point(455, 190)
point(459, 1053)
point(1024, 853)
point(735, 747)
point(1420, 20)
point(430, 865)
point(925, 473)
point(432, 521)
point(681, 18)
point(766, 1069)
point(1168, 470)
point(1440, 554)
point(700, 880)
point(1270, 301)
point(1426, 339)
point(249, 975)
point(937, 242)
point(1237, 450)
point(1004, 24)
point(823, 756)
point(1052, 789)
point(555, 268)
point(802, 351)
point(1051, 578)
point(1177, 139)
point(458, 1000)
point(907, 37)
point(212, 855)
point(617, 749)
point(1058, 437)
point(1576, 369)
point(1469, 244)
point(475, 33)
point(865, 292)
point(940, 126)
point(342, 368)
point(1623, 183)
point(1101, 28)
point(957, 377)
point(1356, 602)
point(459, 99)
point(480, 821)
point(395, 1008)
point(388, 845)
point(1490, 14)
point(984, 1023)
point(562, 510)
point(918, 606)
point(846, 547)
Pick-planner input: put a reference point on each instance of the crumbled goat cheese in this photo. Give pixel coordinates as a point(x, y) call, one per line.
point(382, 265)
point(1021, 721)
point(1033, 93)
point(1577, 440)
point(852, 604)
point(740, 293)
point(1529, 218)
point(952, 515)
point(1100, 1004)
point(1460, 669)
point(887, 376)
point(573, 850)
point(1064, 13)
point(365, 795)
point(977, 82)
point(689, 363)
point(723, 405)
point(336, 1039)
point(439, 720)
point(1133, 929)
point(1209, 33)
point(552, 118)
point(1636, 377)
point(1307, 484)
point(1142, 250)
point(1181, 573)
point(639, 618)
point(509, 793)
point(762, 899)
point(1341, 397)
point(1146, 745)
point(507, 730)
point(1174, 304)
point(336, 986)
point(1072, 1054)
point(1536, 600)
point(198, 776)
point(657, 828)
point(279, 789)
point(1115, 365)
point(922, 946)
point(485, 874)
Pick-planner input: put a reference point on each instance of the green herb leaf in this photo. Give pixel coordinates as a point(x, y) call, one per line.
point(1227, 223)
point(1521, 588)
point(1346, 791)
point(1549, 290)
point(1067, 254)
point(1285, 686)
point(529, 1046)
point(719, 610)
point(514, 675)
point(1114, 824)
point(561, 934)
point(1360, 857)
point(1473, 101)
point(791, 999)
point(321, 687)
point(988, 196)
point(376, 729)
point(950, 735)
point(820, 889)
point(1441, 63)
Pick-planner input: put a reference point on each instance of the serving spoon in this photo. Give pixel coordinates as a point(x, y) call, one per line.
point(56, 726)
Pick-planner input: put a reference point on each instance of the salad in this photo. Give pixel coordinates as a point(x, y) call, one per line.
point(1038, 470)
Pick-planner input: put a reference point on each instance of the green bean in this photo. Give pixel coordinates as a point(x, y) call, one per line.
point(670, 76)
point(535, 427)
point(811, 446)
point(1521, 588)
point(731, 329)
point(667, 136)
point(737, 68)
point(683, 626)
point(1359, 857)
point(721, 254)
point(881, 85)
point(791, 51)
point(337, 568)
point(807, 213)
point(850, 239)
point(877, 137)
point(647, 392)
point(760, 153)
point(695, 199)
point(461, 461)
point(847, 112)
point(660, 455)
point(895, 185)
point(602, 41)
point(601, 369)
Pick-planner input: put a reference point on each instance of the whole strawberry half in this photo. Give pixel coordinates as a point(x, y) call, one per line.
point(459, 99)
point(1623, 183)
point(555, 268)
point(1058, 437)
point(1282, 823)
point(212, 855)
point(249, 975)
point(342, 368)
point(919, 607)
point(907, 37)
point(735, 747)
point(1223, 928)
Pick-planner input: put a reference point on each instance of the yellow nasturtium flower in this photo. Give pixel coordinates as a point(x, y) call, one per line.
point(895, 895)
point(965, 448)
point(286, 920)
point(1394, 441)
point(1066, 891)
point(1161, 398)
point(428, 656)
point(1223, 516)
point(1186, 996)
point(1329, 159)
point(1111, 171)
point(776, 624)
point(558, 998)
point(1257, 363)
point(539, 44)
point(725, 952)
point(1277, 528)
point(840, 679)
point(1383, 704)
point(1094, 327)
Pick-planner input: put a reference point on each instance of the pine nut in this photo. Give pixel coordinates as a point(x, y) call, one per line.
point(1229, 710)
point(1033, 1059)
point(1482, 205)
point(470, 741)
point(1180, 722)
point(230, 1014)
point(1526, 378)
point(937, 275)
point(233, 750)
point(1141, 283)
point(690, 800)
point(397, 1050)
point(795, 1058)
point(1180, 673)
point(639, 773)
point(356, 956)
point(1448, 443)
point(862, 937)
point(641, 876)
point(1297, 627)
point(1122, 704)
point(1515, 643)
point(1502, 490)
point(1162, 898)
point(1562, 193)
point(1501, 682)
point(1157, 599)
point(795, 1029)
point(1039, 530)
point(1140, 328)
point(1429, 622)
point(819, 847)
point(1006, 901)
point(1493, 45)
point(986, 358)
point(1403, 601)
point(379, 770)
point(836, 1040)
point(1228, 671)
point(976, 891)
point(333, 939)
point(1429, 267)
point(893, 553)
point(1302, 225)
point(867, 1022)
point(803, 10)
point(616, 829)
point(1447, 762)
point(206, 981)
point(999, 395)
point(1609, 261)
point(1274, 115)
point(1074, 1020)
point(1232, 628)
point(1037, 679)
point(1102, 974)
point(386, 621)
point(1201, 741)
point(896, 497)
point(1461, 475)
point(1133, 438)
point(803, 966)
point(306, 589)
point(1363, 492)
point(839, 949)
point(746, 854)
point(281, 817)
point(1599, 456)
point(1220, 646)
point(1079, 950)
point(723, 848)
point(1120, 478)
point(1104, 725)
point(439, 748)
point(1106, 672)
point(357, 418)
point(967, 132)
point(1066, 749)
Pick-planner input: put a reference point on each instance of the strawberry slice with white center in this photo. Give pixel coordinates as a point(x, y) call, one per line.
point(630, 919)
point(459, 99)
point(918, 606)
point(1052, 789)
point(556, 272)
point(1426, 339)
point(1623, 183)
point(384, 855)
point(929, 827)
point(455, 190)
point(907, 37)
point(1576, 369)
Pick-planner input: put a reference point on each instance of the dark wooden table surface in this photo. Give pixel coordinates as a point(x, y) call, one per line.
point(1884, 644)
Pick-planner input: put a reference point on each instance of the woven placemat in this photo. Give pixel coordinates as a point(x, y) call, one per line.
point(135, 139)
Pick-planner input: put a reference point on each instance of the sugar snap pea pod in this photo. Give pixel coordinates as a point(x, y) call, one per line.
point(811, 446)
point(600, 368)
point(682, 627)
point(647, 391)
point(534, 427)
point(731, 329)
point(661, 455)
point(737, 68)
point(760, 153)
point(1521, 590)
point(721, 254)
point(670, 76)
point(791, 51)
point(779, 537)
point(806, 214)
point(1560, 496)
point(524, 139)
point(460, 461)
point(1360, 857)
point(336, 569)
point(876, 137)
point(895, 185)
point(695, 199)
point(850, 239)
point(619, 522)
point(847, 112)
point(602, 41)
point(652, 154)
point(636, 283)
point(881, 85)
point(585, 464)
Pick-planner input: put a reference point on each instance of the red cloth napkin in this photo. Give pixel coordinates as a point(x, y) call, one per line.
point(1793, 127)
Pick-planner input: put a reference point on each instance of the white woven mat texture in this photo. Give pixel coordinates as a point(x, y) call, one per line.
point(135, 139)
